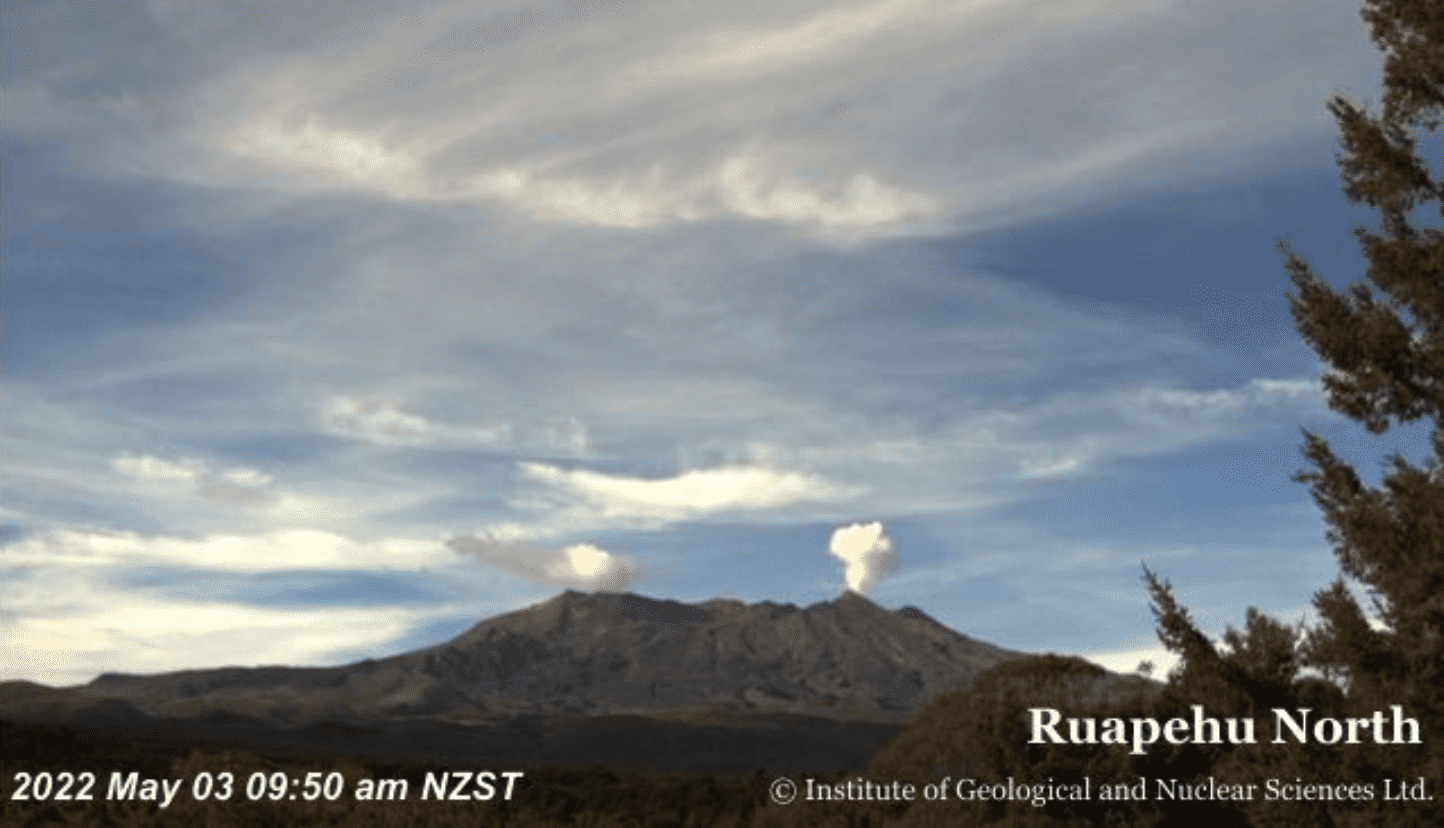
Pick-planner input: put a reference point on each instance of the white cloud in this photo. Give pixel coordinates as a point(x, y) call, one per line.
point(1258, 393)
point(149, 468)
point(250, 478)
point(582, 566)
point(511, 530)
point(1128, 660)
point(383, 424)
point(741, 184)
point(146, 467)
point(1044, 461)
point(864, 203)
point(281, 549)
point(386, 425)
point(1207, 619)
point(692, 493)
point(66, 620)
point(867, 553)
point(106, 631)
point(312, 154)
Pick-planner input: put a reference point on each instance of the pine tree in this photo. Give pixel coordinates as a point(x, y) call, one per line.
point(1389, 541)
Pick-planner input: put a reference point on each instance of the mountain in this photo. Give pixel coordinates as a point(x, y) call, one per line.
point(623, 653)
point(609, 654)
point(601, 678)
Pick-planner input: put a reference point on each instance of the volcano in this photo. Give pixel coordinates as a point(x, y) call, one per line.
point(623, 653)
point(577, 663)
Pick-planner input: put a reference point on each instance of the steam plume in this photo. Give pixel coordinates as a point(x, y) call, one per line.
point(581, 566)
point(867, 552)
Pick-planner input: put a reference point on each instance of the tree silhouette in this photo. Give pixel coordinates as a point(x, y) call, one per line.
point(981, 731)
point(1389, 541)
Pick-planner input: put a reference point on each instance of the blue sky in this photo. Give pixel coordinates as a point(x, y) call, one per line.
point(327, 333)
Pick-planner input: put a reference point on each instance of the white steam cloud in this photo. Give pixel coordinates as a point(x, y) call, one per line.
point(580, 566)
point(867, 552)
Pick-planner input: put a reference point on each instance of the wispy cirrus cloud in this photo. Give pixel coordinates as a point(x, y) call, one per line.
point(977, 461)
point(809, 105)
point(387, 425)
point(146, 467)
point(149, 468)
point(691, 494)
point(746, 184)
point(270, 551)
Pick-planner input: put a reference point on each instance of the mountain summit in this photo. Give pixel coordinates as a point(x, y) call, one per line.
point(594, 654)
point(620, 652)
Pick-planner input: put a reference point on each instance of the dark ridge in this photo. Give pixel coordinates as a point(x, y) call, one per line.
point(111, 713)
point(638, 608)
point(116, 679)
point(917, 615)
point(775, 610)
point(199, 682)
point(24, 686)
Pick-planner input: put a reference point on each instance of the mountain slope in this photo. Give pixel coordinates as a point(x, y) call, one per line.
point(604, 654)
point(615, 653)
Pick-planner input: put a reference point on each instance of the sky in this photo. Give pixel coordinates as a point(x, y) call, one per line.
point(332, 328)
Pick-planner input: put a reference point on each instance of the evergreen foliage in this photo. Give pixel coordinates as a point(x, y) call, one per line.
point(1387, 358)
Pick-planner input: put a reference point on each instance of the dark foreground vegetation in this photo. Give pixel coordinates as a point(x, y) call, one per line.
point(542, 797)
point(979, 733)
point(545, 796)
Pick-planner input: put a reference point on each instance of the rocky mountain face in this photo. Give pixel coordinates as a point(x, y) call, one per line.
point(623, 653)
point(594, 655)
